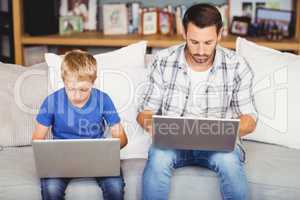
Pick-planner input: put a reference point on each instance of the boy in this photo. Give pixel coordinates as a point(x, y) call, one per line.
point(79, 111)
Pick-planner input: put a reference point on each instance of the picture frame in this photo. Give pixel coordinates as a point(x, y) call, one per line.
point(283, 19)
point(165, 23)
point(247, 9)
point(243, 7)
point(150, 22)
point(240, 26)
point(115, 19)
point(70, 24)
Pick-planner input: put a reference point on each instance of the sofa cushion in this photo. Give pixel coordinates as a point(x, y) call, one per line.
point(125, 86)
point(132, 56)
point(272, 174)
point(21, 93)
point(276, 89)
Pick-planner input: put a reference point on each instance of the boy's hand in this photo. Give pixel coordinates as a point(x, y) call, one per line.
point(40, 132)
point(117, 131)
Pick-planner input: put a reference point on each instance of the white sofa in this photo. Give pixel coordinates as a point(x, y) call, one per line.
point(272, 170)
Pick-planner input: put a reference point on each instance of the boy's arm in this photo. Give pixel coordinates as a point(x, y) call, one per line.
point(117, 131)
point(40, 132)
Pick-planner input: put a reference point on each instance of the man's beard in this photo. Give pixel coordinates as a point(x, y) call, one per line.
point(200, 59)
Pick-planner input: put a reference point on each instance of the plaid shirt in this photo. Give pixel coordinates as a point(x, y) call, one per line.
point(228, 92)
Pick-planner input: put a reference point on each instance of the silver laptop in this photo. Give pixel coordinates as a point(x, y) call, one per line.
point(195, 133)
point(77, 157)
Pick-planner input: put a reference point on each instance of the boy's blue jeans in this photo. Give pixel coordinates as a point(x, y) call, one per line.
point(162, 162)
point(54, 188)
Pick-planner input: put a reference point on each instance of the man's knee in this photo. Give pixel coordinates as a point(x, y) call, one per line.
point(227, 161)
point(161, 158)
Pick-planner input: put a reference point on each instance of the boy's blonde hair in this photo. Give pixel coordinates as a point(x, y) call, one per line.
point(79, 65)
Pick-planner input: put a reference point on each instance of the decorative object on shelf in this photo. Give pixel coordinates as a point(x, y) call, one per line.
point(115, 19)
point(240, 26)
point(150, 22)
point(70, 24)
point(281, 20)
point(165, 23)
point(274, 33)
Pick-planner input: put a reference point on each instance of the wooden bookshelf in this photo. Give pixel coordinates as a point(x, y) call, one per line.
point(158, 41)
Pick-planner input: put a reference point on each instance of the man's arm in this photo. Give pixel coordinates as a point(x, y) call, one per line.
point(152, 97)
point(144, 119)
point(242, 102)
point(247, 125)
point(40, 132)
point(117, 131)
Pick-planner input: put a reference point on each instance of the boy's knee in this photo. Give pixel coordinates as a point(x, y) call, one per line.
point(52, 191)
point(114, 185)
point(113, 188)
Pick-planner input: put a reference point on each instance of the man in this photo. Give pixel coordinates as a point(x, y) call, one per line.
point(198, 79)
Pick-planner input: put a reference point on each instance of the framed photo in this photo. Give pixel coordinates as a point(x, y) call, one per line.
point(150, 22)
point(282, 19)
point(247, 9)
point(115, 19)
point(70, 24)
point(260, 5)
point(165, 23)
point(240, 26)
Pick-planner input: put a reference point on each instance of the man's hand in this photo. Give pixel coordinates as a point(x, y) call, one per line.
point(144, 119)
point(247, 125)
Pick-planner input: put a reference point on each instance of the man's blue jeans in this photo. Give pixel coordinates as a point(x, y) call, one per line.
point(161, 163)
point(54, 188)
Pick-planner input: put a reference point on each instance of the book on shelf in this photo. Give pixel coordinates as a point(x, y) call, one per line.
point(99, 18)
point(223, 9)
point(34, 54)
point(133, 17)
point(179, 12)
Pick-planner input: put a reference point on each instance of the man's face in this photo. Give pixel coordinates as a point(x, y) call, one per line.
point(201, 43)
point(78, 92)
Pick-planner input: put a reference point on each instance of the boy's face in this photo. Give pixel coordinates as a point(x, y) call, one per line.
point(78, 92)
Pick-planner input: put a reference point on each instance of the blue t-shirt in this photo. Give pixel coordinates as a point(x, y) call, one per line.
point(70, 122)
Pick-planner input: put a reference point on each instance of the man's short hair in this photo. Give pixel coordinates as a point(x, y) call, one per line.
point(203, 15)
point(79, 65)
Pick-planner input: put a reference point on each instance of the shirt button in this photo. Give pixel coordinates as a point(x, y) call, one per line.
point(186, 97)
